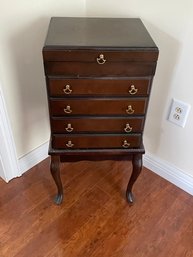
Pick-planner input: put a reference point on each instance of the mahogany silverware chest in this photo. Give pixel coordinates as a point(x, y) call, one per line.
point(99, 73)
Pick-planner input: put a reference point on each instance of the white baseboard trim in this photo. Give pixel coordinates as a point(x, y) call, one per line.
point(37, 155)
point(171, 173)
point(164, 169)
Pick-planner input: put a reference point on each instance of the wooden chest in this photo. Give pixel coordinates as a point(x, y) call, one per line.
point(99, 73)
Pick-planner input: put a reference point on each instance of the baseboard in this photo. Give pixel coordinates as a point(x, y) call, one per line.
point(171, 173)
point(166, 170)
point(37, 155)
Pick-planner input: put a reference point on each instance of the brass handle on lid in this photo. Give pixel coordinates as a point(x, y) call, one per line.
point(133, 90)
point(69, 144)
point(101, 59)
point(128, 128)
point(67, 109)
point(130, 110)
point(125, 144)
point(67, 90)
point(69, 128)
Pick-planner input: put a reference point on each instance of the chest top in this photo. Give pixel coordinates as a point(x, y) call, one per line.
point(86, 33)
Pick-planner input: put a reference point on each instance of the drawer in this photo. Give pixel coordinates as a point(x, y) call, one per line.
point(89, 141)
point(98, 106)
point(108, 69)
point(96, 87)
point(97, 125)
point(92, 55)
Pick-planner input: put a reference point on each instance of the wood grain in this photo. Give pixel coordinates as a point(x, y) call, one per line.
point(110, 69)
point(97, 86)
point(98, 106)
point(94, 219)
point(97, 124)
point(96, 141)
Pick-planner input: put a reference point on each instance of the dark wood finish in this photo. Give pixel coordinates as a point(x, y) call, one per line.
point(95, 219)
point(98, 106)
point(90, 141)
point(90, 55)
point(137, 167)
point(109, 69)
point(95, 87)
point(99, 73)
point(55, 171)
point(97, 124)
point(96, 154)
point(96, 33)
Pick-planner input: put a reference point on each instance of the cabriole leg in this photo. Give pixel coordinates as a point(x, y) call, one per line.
point(55, 171)
point(137, 167)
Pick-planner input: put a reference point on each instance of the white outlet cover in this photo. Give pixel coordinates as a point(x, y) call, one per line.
point(181, 110)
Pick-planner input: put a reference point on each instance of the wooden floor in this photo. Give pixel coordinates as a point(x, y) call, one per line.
point(95, 219)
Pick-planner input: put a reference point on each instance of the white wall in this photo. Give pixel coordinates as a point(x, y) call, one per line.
point(23, 29)
point(23, 26)
point(170, 24)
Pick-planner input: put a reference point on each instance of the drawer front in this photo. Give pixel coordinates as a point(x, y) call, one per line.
point(88, 141)
point(97, 125)
point(108, 69)
point(98, 106)
point(92, 55)
point(98, 87)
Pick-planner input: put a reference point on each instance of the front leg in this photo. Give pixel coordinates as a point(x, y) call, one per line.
point(137, 167)
point(55, 171)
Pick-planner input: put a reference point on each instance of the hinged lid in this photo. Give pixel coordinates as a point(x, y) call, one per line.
point(92, 33)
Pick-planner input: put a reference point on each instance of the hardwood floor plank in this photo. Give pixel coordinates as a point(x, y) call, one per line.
point(94, 219)
point(122, 228)
point(65, 225)
point(77, 242)
point(181, 236)
point(85, 233)
point(73, 191)
point(157, 236)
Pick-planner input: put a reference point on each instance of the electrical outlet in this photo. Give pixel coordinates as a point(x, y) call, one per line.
point(179, 112)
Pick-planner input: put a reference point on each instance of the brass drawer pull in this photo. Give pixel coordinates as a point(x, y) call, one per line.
point(69, 144)
point(67, 90)
point(69, 128)
point(133, 90)
point(130, 110)
point(67, 109)
point(128, 128)
point(101, 59)
point(125, 144)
